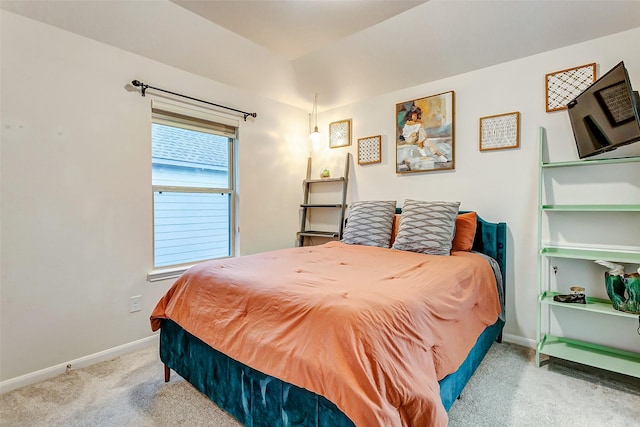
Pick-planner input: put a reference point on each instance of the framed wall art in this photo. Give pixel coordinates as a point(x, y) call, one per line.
point(500, 131)
point(564, 85)
point(340, 133)
point(425, 134)
point(370, 150)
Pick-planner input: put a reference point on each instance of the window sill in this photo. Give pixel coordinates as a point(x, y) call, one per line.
point(167, 273)
point(174, 272)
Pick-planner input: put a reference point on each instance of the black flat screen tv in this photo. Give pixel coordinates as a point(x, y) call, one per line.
point(605, 115)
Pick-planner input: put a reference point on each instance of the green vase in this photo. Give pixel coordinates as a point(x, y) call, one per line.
point(617, 285)
point(615, 290)
point(632, 284)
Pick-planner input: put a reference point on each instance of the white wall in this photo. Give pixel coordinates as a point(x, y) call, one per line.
point(500, 185)
point(76, 199)
point(76, 190)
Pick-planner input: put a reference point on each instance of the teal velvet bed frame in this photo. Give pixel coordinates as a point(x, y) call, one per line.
point(256, 399)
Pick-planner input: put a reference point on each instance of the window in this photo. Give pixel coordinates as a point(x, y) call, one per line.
point(193, 186)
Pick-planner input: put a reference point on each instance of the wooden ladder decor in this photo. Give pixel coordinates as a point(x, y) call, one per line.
point(308, 183)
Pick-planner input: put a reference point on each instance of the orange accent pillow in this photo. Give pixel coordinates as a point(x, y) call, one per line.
point(465, 232)
point(394, 228)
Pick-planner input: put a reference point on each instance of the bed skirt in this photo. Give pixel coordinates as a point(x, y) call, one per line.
point(256, 399)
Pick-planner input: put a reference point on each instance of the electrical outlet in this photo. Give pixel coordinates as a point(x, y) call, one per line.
point(135, 303)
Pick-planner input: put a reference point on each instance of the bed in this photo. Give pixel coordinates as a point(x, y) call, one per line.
point(338, 334)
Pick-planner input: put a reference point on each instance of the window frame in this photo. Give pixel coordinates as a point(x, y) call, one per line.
point(200, 121)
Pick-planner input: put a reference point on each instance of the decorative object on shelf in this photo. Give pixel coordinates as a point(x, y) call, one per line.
point(575, 296)
point(325, 173)
point(314, 136)
point(571, 298)
point(617, 282)
point(632, 285)
point(425, 134)
point(340, 133)
point(370, 150)
point(564, 85)
point(500, 131)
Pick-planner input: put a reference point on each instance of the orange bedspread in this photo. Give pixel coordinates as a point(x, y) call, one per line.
point(370, 329)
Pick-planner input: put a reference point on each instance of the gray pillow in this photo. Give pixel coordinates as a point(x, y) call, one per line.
point(370, 223)
point(427, 227)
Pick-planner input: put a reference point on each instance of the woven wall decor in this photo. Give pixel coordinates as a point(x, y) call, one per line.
point(563, 86)
point(369, 150)
point(340, 133)
point(500, 131)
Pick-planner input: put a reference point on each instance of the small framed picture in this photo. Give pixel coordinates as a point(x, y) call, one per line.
point(340, 133)
point(369, 150)
point(563, 86)
point(500, 131)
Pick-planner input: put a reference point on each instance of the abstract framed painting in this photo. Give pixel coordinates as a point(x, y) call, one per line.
point(425, 134)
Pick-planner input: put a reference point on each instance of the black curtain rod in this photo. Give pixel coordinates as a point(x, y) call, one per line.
point(138, 83)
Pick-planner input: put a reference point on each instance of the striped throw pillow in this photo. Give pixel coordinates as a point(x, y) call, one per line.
point(370, 223)
point(427, 227)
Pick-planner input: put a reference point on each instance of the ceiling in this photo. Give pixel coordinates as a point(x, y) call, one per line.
point(294, 28)
point(345, 51)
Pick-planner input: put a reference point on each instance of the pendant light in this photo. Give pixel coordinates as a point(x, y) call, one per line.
point(315, 135)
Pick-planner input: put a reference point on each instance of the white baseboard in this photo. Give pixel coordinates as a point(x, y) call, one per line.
point(516, 339)
point(44, 374)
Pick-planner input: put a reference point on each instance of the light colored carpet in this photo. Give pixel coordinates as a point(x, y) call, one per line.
point(507, 390)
